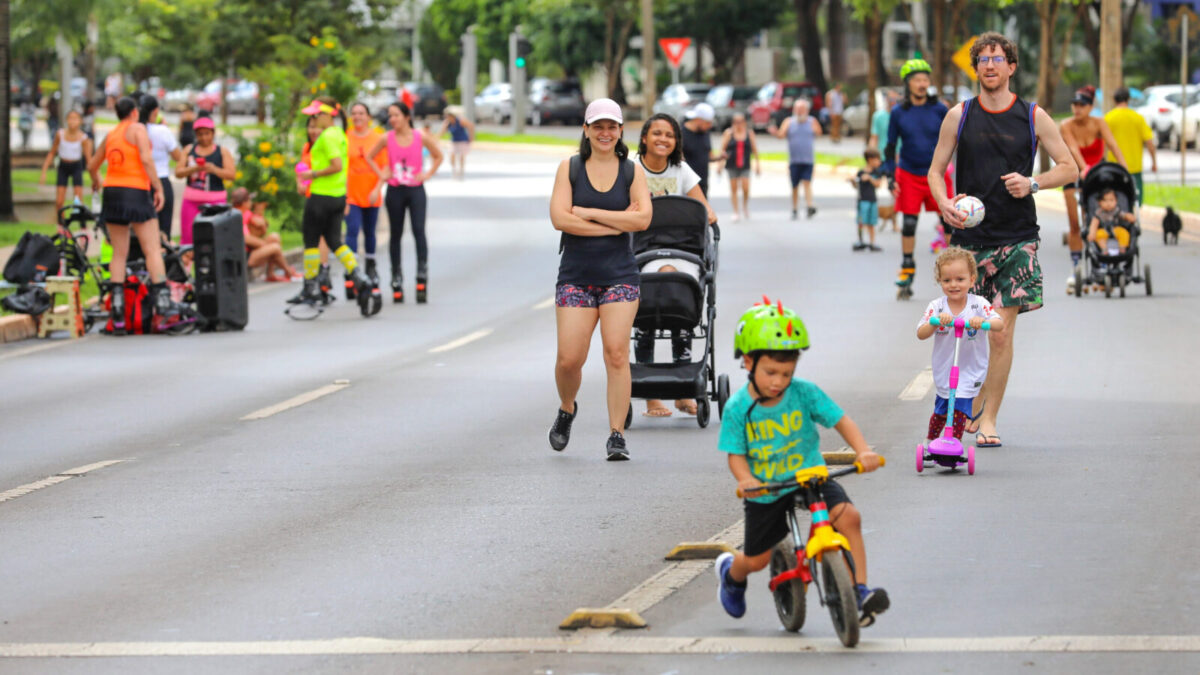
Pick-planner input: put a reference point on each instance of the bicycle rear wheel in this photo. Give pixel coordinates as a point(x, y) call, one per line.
point(838, 588)
point(789, 596)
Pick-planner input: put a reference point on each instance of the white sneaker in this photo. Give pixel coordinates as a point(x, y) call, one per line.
point(736, 217)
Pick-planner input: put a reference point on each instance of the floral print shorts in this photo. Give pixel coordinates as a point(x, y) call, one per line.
point(571, 295)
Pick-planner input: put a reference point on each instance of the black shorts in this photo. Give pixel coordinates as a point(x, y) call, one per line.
point(70, 171)
point(766, 524)
point(124, 206)
point(799, 172)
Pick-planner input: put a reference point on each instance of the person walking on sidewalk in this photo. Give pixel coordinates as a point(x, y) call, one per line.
point(1131, 132)
point(996, 136)
point(406, 176)
point(462, 134)
point(800, 130)
point(364, 181)
point(912, 133)
point(697, 143)
point(599, 198)
point(835, 100)
point(739, 145)
point(132, 196)
point(1086, 137)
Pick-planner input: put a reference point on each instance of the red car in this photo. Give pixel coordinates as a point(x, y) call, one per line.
point(774, 102)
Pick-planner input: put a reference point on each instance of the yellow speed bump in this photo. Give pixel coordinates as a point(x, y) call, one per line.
point(604, 617)
point(699, 550)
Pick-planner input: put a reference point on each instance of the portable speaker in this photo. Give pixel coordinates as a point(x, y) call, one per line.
point(220, 259)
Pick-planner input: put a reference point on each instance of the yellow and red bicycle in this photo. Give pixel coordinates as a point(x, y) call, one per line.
point(822, 559)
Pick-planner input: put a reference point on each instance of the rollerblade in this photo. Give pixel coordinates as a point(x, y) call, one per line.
point(397, 287)
point(904, 282)
point(370, 300)
point(422, 283)
point(117, 308)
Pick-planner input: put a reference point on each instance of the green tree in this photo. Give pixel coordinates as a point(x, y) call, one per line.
point(724, 26)
point(568, 33)
point(444, 23)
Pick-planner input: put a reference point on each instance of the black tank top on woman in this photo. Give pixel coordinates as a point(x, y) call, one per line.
point(991, 145)
point(737, 153)
point(599, 261)
point(212, 182)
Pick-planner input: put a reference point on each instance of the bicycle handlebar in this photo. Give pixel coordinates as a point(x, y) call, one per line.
point(959, 322)
point(767, 488)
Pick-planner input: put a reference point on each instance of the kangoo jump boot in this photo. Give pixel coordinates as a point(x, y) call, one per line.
point(422, 283)
point(372, 272)
point(370, 300)
point(117, 307)
point(325, 285)
point(397, 286)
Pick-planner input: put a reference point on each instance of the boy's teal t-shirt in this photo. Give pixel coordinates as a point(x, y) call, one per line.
point(780, 440)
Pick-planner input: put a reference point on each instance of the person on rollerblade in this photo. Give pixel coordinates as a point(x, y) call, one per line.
point(913, 125)
point(996, 137)
point(771, 433)
point(324, 210)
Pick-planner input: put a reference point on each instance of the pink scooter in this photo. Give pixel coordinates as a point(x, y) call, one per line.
point(948, 451)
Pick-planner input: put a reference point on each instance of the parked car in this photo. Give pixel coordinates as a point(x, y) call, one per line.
point(857, 118)
point(1160, 108)
point(428, 99)
point(677, 99)
point(774, 100)
point(209, 98)
point(551, 100)
point(378, 95)
point(727, 99)
point(952, 95)
point(495, 103)
point(176, 98)
point(1179, 131)
point(242, 98)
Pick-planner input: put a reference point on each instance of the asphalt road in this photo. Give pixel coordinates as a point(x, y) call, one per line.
point(421, 510)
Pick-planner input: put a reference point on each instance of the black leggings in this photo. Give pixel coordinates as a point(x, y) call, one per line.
point(401, 198)
point(323, 218)
point(167, 214)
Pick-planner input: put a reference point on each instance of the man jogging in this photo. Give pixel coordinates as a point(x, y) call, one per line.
point(996, 135)
point(914, 126)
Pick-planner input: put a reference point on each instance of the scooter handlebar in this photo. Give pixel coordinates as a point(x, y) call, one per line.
point(959, 322)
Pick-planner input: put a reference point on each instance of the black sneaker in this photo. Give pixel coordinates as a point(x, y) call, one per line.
point(616, 447)
point(560, 433)
point(812, 211)
point(794, 216)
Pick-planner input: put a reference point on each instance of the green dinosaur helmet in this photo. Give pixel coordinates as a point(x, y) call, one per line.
point(769, 327)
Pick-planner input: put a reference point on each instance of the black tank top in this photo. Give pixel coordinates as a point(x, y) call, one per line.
point(991, 145)
point(599, 261)
point(211, 182)
point(737, 153)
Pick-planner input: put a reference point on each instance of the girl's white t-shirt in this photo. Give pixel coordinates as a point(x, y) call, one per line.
point(674, 180)
point(162, 144)
point(972, 354)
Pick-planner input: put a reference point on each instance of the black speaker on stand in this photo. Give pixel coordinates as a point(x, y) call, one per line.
point(220, 260)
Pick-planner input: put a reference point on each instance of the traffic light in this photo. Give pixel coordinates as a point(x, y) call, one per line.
point(523, 50)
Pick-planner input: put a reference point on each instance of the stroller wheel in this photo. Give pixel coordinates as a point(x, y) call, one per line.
point(629, 417)
point(1124, 281)
point(703, 412)
point(1146, 277)
point(722, 394)
point(1108, 285)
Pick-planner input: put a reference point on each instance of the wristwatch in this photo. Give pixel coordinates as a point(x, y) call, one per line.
point(1033, 185)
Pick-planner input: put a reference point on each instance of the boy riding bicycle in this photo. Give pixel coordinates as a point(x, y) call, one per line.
point(768, 435)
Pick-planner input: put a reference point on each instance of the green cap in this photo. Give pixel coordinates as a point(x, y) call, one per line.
point(767, 326)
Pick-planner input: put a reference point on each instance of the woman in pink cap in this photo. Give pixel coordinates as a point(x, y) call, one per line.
point(600, 197)
point(206, 169)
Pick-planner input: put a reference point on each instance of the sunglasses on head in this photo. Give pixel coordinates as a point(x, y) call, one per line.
point(998, 59)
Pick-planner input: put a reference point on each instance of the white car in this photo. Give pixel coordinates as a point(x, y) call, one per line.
point(1161, 111)
point(855, 119)
point(495, 103)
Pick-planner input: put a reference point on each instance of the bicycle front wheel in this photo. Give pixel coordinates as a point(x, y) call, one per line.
point(838, 589)
point(789, 596)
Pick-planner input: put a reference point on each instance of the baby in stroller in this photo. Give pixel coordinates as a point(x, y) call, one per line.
point(1106, 228)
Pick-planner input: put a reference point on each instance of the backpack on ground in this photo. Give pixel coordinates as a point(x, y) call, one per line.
point(34, 258)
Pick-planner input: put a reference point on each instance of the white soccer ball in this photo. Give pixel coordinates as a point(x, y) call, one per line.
point(971, 209)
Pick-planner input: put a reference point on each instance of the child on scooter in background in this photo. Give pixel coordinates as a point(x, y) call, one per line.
point(956, 274)
point(769, 434)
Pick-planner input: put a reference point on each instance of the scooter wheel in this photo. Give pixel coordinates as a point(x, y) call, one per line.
point(970, 460)
point(920, 458)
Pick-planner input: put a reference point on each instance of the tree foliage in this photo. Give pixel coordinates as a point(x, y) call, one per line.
point(723, 26)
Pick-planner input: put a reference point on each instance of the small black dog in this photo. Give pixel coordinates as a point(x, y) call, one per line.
point(1171, 226)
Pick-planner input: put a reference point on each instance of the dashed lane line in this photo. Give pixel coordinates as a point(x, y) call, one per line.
point(22, 490)
point(592, 643)
point(458, 342)
point(545, 304)
point(919, 386)
point(296, 401)
point(53, 344)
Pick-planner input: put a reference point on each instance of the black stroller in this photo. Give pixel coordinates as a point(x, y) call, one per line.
point(679, 235)
point(1110, 269)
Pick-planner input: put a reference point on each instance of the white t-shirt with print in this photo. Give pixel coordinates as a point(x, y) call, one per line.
point(674, 180)
point(972, 354)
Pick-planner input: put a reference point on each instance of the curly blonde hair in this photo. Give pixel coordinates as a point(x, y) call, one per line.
point(950, 254)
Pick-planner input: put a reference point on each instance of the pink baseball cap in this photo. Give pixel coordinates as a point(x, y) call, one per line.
point(204, 123)
point(603, 109)
point(317, 107)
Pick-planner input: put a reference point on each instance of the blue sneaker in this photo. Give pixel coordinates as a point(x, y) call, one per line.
point(733, 598)
point(871, 602)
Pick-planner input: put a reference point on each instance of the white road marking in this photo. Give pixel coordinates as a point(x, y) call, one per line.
point(545, 304)
point(919, 387)
point(594, 643)
point(52, 344)
point(296, 401)
point(22, 490)
point(466, 339)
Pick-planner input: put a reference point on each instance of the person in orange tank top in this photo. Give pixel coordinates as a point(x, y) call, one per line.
point(132, 197)
point(363, 183)
point(1086, 137)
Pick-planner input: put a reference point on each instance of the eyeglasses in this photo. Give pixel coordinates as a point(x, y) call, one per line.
point(998, 59)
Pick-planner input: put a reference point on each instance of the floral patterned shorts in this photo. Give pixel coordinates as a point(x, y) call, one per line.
point(1009, 276)
point(570, 295)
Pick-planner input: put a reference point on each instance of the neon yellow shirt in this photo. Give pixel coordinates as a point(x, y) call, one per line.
point(1131, 133)
point(331, 143)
